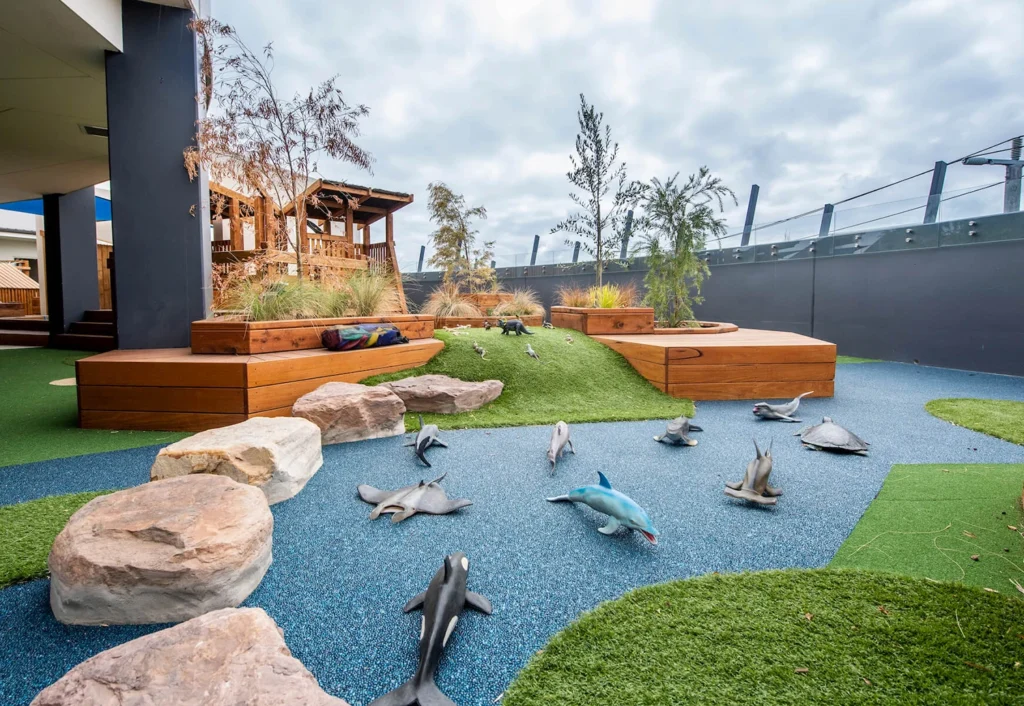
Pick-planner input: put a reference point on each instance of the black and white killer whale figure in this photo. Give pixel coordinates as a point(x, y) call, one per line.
point(426, 438)
point(442, 603)
point(754, 486)
point(405, 502)
point(784, 412)
point(678, 431)
point(513, 326)
point(559, 440)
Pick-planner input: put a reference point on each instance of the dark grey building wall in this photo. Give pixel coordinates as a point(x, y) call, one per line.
point(72, 280)
point(160, 218)
point(949, 294)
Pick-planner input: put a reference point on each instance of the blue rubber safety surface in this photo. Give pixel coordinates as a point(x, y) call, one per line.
point(338, 581)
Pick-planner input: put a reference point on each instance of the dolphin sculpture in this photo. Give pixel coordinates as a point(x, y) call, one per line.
point(622, 510)
point(406, 502)
point(784, 412)
point(442, 603)
point(678, 432)
point(426, 438)
point(754, 486)
point(559, 440)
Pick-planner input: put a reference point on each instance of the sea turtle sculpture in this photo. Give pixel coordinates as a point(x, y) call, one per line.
point(678, 431)
point(829, 436)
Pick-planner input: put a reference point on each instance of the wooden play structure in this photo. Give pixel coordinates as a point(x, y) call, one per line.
point(326, 217)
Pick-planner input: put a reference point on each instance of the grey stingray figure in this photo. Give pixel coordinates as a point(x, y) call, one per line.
point(754, 486)
point(783, 412)
point(480, 351)
point(406, 502)
point(442, 603)
point(829, 436)
point(678, 432)
point(426, 438)
point(559, 440)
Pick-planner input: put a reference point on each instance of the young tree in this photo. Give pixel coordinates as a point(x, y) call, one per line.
point(455, 239)
point(265, 143)
point(596, 172)
point(676, 223)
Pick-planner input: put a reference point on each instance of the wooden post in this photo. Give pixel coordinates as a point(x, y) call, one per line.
point(366, 242)
point(327, 225)
point(259, 221)
point(235, 225)
point(350, 236)
point(389, 229)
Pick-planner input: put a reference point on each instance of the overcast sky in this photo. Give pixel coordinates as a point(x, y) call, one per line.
point(813, 101)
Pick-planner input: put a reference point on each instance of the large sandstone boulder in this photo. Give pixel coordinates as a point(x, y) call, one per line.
point(225, 658)
point(277, 454)
point(345, 411)
point(443, 394)
point(162, 552)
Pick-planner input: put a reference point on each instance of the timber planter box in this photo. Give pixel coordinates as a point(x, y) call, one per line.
point(595, 321)
point(478, 321)
point(703, 327)
point(238, 337)
point(487, 300)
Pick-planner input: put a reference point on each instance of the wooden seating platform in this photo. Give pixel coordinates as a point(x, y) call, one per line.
point(744, 364)
point(172, 389)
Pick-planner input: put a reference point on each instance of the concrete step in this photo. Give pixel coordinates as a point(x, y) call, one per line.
point(106, 315)
point(96, 328)
point(23, 338)
point(83, 342)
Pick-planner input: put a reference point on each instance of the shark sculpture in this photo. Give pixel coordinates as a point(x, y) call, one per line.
point(754, 486)
point(442, 603)
point(622, 510)
point(406, 502)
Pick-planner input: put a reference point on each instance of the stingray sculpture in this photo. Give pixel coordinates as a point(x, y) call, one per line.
point(754, 486)
point(406, 502)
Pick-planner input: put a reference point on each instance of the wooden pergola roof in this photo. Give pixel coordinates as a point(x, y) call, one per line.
point(369, 204)
point(220, 200)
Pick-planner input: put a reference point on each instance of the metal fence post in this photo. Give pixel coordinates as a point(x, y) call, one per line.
point(826, 220)
point(931, 211)
point(423, 251)
point(626, 232)
point(533, 255)
point(748, 223)
point(576, 253)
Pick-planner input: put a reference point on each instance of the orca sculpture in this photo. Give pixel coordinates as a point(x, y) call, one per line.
point(442, 603)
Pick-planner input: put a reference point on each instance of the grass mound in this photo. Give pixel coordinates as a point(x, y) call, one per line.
point(40, 420)
point(784, 637)
point(1003, 419)
point(930, 520)
point(27, 531)
point(579, 382)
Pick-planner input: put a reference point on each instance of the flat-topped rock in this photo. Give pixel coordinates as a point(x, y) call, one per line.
point(443, 394)
point(276, 454)
point(162, 552)
point(346, 411)
point(224, 658)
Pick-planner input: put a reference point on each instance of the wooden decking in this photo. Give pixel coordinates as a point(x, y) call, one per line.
point(172, 389)
point(745, 364)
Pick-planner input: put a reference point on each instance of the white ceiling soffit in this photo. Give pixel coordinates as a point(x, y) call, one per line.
point(52, 82)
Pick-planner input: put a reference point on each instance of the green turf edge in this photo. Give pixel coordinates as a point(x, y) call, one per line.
point(948, 522)
point(863, 637)
point(849, 359)
point(1003, 419)
point(27, 531)
point(580, 382)
point(40, 420)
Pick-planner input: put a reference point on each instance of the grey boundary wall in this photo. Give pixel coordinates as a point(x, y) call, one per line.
point(947, 294)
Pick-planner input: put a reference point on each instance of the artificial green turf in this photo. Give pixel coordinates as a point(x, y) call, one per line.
point(40, 420)
point(929, 520)
point(27, 531)
point(740, 638)
point(580, 382)
point(841, 359)
point(1003, 419)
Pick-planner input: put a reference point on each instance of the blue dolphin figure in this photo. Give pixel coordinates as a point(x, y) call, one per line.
point(621, 509)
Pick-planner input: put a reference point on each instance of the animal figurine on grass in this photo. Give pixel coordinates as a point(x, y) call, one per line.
point(480, 351)
point(513, 326)
point(783, 412)
point(559, 440)
point(829, 436)
point(547, 324)
point(406, 502)
point(442, 603)
point(425, 438)
point(678, 432)
point(622, 510)
point(568, 339)
point(754, 486)
point(532, 353)
point(487, 325)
